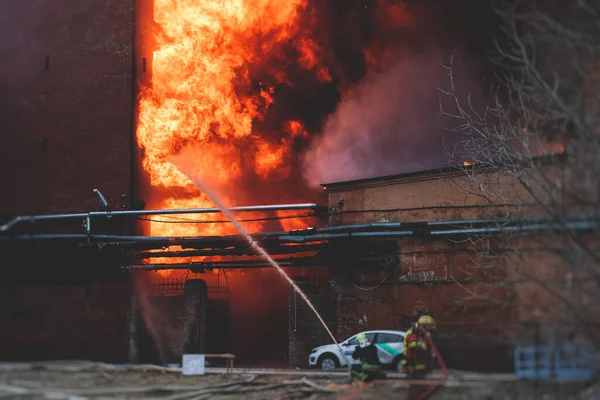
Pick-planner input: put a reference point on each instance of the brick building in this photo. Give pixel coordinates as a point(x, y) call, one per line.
point(423, 227)
point(66, 107)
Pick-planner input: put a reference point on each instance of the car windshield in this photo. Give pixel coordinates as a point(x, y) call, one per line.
point(352, 341)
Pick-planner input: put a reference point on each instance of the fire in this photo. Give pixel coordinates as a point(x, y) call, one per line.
point(308, 59)
point(193, 98)
point(206, 97)
point(467, 163)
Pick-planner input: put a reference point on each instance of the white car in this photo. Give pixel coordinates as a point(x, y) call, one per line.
point(390, 347)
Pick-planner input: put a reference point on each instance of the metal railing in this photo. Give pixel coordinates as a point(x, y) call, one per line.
point(216, 289)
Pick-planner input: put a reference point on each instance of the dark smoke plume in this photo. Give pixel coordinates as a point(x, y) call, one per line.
point(387, 123)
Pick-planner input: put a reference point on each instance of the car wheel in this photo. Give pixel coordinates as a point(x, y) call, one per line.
point(328, 361)
point(398, 364)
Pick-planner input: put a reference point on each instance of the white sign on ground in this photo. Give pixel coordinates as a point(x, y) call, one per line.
point(193, 364)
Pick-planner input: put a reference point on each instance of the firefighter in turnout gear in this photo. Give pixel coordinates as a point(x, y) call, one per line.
point(366, 352)
point(417, 360)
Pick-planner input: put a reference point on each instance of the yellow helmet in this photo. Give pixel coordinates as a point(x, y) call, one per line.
point(427, 322)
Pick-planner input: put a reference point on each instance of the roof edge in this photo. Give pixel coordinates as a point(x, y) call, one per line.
point(410, 176)
point(430, 174)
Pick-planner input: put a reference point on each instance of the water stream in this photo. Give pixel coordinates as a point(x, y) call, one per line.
point(257, 248)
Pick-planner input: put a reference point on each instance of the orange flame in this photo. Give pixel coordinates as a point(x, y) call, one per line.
point(203, 99)
point(467, 163)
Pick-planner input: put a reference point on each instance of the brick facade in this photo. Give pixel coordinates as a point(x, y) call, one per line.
point(305, 330)
point(66, 108)
point(66, 104)
point(475, 314)
point(42, 321)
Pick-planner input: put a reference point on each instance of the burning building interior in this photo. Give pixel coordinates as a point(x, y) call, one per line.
point(112, 253)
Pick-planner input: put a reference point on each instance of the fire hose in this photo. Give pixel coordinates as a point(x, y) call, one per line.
point(434, 386)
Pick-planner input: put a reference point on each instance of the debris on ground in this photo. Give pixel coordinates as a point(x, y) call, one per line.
point(151, 382)
point(94, 381)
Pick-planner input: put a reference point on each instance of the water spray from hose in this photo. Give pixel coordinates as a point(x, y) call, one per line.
point(258, 249)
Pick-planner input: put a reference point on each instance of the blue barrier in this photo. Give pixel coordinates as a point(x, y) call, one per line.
point(534, 363)
point(562, 363)
point(575, 363)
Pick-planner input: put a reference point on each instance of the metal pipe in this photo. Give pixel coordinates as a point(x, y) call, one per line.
point(457, 222)
point(573, 217)
point(206, 265)
point(521, 228)
point(327, 236)
point(165, 239)
point(229, 252)
point(286, 237)
point(101, 198)
point(382, 234)
point(284, 262)
point(300, 239)
point(391, 225)
point(58, 236)
point(276, 207)
point(88, 226)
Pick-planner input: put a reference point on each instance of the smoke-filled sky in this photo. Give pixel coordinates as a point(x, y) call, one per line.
point(384, 125)
point(385, 122)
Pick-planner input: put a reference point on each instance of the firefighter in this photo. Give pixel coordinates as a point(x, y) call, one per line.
point(366, 352)
point(417, 360)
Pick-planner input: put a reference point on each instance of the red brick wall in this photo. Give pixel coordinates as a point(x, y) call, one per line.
point(463, 301)
point(46, 322)
point(305, 330)
point(431, 196)
point(65, 103)
point(66, 128)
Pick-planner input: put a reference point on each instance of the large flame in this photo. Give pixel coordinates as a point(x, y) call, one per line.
point(205, 97)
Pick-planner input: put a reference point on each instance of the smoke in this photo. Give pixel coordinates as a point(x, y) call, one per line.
point(387, 124)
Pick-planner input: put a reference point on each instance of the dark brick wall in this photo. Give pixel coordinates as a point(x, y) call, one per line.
point(53, 321)
point(65, 103)
point(346, 319)
point(305, 330)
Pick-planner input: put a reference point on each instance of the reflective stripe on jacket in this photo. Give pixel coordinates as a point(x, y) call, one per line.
point(414, 347)
point(371, 367)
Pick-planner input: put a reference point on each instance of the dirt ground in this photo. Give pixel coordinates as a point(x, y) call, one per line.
point(78, 381)
point(151, 384)
point(174, 386)
point(99, 381)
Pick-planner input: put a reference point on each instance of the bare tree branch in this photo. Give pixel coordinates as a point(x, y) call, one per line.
point(537, 142)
